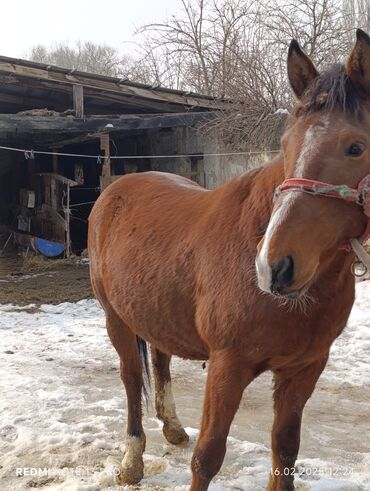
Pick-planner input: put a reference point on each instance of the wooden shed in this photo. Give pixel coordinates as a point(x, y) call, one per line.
point(61, 131)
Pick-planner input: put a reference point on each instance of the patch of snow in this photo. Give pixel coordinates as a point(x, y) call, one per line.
point(281, 111)
point(63, 409)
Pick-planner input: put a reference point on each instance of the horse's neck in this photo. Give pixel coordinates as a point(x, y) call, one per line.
point(258, 186)
point(267, 180)
point(243, 205)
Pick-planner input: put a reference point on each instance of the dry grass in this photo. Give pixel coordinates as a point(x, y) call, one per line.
point(37, 280)
point(35, 263)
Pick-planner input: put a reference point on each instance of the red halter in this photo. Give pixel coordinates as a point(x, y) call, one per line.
point(359, 195)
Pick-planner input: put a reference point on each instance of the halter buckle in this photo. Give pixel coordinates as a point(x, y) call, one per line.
point(358, 269)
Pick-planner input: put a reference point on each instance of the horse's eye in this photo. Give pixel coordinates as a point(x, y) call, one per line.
point(355, 150)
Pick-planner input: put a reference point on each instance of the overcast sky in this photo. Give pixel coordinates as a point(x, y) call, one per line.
point(26, 23)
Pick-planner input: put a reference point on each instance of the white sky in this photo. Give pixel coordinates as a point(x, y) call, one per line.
point(26, 23)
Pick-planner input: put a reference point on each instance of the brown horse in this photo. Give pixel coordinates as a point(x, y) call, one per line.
point(174, 264)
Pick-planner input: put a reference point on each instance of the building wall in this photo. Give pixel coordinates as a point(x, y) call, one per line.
point(222, 168)
point(191, 141)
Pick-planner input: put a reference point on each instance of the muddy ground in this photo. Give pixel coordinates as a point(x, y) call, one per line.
point(35, 280)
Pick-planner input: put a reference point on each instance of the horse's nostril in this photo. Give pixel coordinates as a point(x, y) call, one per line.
point(282, 274)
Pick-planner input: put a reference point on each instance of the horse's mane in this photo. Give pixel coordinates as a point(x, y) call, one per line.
point(331, 90)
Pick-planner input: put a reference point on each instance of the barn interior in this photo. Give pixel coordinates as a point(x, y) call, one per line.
point(61, 132)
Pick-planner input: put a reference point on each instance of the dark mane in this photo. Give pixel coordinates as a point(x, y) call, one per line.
point(331, 90)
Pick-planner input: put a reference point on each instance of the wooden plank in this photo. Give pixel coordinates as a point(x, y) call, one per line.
point(109, 180)
point(55, 164)
point(99, 97)
point(58, 177)
point(67, 213)
point(54, 193)
point(71, 141)
point(106, 169)
point(47, 210)
point(112, 85)
point(29, 101)
point(25, 124)
point(47, 191)
point(78, 100)
point(131, 104)
point(59, 96)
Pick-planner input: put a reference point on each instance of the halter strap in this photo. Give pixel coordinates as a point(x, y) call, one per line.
point(359, 195)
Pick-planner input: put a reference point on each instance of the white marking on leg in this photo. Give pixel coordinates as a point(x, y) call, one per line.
point(169, 407)
point(134, 448)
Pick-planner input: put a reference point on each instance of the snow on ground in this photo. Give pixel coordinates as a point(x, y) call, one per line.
point(63, 410)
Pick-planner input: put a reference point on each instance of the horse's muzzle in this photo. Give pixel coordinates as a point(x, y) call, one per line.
point(282, 275)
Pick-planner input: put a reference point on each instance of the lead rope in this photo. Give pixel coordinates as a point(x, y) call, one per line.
point(363, 258)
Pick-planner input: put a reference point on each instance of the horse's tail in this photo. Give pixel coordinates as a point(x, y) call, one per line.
point(143, 351)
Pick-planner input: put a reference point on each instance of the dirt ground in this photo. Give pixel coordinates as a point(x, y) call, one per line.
point(35, 280)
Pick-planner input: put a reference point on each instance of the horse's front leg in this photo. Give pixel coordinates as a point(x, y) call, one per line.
point(293, 387)
point(227, 378)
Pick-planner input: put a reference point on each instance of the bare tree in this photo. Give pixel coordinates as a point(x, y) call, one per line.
point(356, 13)
point(86, 56)
point(216, 46)
point(236, 49)
point(230, 49)
point(317, 24)
point(177, 50)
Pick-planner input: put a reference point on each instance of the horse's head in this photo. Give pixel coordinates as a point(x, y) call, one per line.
point(328, 140)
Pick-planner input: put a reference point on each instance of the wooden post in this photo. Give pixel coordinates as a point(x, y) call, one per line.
point(106, 169)
point(67, 212)
point(78, 100)
point(55, 162)
point(54, 188)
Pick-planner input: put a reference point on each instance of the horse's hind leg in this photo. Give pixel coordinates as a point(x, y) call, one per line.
point(164, 402)
point(125, 343)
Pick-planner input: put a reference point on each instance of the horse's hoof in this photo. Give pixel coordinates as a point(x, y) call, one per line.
point(284, 485)
point(130, 475)
point(176, 436)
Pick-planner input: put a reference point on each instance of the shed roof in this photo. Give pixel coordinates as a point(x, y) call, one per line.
point(29, 85)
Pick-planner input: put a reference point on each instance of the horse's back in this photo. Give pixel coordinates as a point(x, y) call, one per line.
point(141, 246)
point(143, 195)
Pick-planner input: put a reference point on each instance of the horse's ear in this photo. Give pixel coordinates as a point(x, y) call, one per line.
point(301, 70)
point(358, 64)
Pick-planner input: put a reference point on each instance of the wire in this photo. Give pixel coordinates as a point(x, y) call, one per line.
point(79, 188)
point(81, 204)
point(115, 146)
point(79, 219)
point(29, 153)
